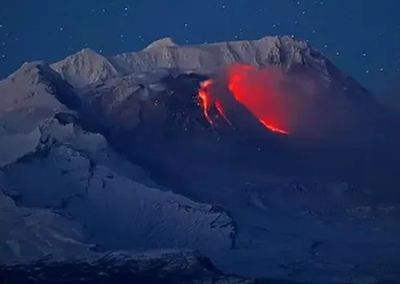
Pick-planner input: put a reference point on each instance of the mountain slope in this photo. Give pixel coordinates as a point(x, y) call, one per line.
point(29, 233)
point(85, 67)
point(123, 267)
point(85, 179)
point(80, 183)
point(29, 96)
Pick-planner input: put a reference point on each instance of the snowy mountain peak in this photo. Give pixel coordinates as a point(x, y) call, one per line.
point(161, 43)
point(85, 67)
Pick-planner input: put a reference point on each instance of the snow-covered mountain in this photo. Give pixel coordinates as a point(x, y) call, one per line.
point(49, 161)
point(117, 153)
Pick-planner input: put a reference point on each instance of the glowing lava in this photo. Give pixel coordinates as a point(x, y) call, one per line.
point(205, 99)
point(221, 111)
point(207, 102)
point(259, 92)
point(256, 89)
point(273, 129)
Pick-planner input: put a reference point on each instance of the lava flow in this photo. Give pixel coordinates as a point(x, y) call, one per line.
point(254, 88)
point(205, 99)
point(207, 102)
point(258, 91)
point(273, 128)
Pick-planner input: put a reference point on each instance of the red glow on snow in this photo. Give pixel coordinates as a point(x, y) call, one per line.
point(259, 92)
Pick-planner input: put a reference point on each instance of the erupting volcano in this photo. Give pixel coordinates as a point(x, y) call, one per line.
point(258, 90)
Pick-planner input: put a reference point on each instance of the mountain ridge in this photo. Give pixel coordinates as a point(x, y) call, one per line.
point(164, 53)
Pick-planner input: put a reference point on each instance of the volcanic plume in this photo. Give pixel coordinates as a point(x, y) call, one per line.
point(257, 89)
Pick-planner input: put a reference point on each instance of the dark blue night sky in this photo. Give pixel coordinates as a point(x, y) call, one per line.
point(362, 37)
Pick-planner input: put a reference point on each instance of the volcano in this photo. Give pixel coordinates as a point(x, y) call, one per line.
point(255, 152)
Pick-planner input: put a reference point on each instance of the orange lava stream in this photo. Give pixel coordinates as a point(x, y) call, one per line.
point(273, 129)
point(205, 99)
point(206, 102)
point(221, 111)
